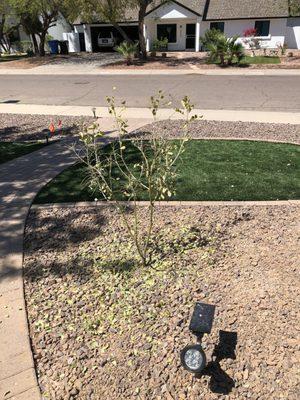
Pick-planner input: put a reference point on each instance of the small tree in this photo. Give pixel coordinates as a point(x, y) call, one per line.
point(251, 39)
point(153, 173)
point(128, 50)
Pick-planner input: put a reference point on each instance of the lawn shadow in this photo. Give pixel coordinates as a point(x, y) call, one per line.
point(220, 381)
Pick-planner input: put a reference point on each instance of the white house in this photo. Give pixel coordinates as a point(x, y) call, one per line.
point(184, 21)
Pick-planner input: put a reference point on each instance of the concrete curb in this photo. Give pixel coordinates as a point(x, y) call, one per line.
point(50, 70)
point(93, 204)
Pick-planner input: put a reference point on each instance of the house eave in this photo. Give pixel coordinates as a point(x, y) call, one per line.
point(176, 2)
point(242, 18)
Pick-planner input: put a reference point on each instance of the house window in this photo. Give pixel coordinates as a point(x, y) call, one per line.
point(219, 26)
point(168, 31)
point(262, 28)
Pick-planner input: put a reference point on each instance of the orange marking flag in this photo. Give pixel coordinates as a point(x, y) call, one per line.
point(52, 128)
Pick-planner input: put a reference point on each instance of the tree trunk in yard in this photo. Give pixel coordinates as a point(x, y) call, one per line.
point(222, 59)
point(142, 41)
point(35, 44)
point(2, 38)
point(122, 32)
point(42, 44)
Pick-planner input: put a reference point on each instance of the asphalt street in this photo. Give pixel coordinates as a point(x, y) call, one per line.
point(264, 93)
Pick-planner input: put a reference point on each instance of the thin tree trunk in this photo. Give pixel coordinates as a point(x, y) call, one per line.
point(42, 44)
point(222, 59)
point(35, 44)
point(2, 36)
point(142, 41)
point(122, 32)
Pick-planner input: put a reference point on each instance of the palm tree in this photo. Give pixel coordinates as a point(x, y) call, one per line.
point(235, 49)
point(218, 49)
point(128, 50)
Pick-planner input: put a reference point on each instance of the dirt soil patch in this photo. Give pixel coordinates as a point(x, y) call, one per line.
point(73, 59)
point(102, 328)
point(20, 128)
point(222, 129)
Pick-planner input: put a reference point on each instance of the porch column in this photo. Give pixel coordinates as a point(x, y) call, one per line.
point(197, 45)
point(146, 37)
point(87, 38)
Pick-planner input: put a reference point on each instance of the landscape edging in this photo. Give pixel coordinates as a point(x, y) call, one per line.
point(171, 204)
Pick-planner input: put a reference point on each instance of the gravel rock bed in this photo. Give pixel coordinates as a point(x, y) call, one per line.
point(223, 129)
point(20, 128)
point(102, 328)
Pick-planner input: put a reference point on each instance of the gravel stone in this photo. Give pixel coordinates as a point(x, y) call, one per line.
point(21, 128)
point(133, 352)
point(222, 129)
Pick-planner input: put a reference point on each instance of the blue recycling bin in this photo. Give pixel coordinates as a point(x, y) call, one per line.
point(53, 44)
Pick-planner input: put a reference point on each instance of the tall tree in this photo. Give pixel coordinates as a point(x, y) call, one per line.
point(111, 11)
point(114, 11)
point(8, 24)
point(37, 16)
point(32, 27)
point(143, 7)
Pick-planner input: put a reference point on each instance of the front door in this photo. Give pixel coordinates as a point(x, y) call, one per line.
point(190, 40)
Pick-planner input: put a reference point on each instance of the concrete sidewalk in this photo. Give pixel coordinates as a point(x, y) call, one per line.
point(91, 70)
point(20, 181)
point(137, 114)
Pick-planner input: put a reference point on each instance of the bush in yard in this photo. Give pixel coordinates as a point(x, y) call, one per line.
point(218, 50)
point(128, 51)
point(160, 44)
point(211, 36)
point(251, 40)
point(154, 171)
point(282, 48)
point(235, 50)
point(23, 46)
point(223, 49)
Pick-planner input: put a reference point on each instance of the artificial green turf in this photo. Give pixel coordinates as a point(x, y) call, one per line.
point(12, 57)
point(11, 150)
point(248, 60)
point(261, 60)
point(209, 170)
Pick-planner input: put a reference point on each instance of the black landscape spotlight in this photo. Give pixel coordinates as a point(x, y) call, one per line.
point(94, 112)
point(193, 358)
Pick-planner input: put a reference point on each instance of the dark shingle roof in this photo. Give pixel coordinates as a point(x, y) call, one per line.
point(224, 9)
point(239, 9)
